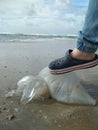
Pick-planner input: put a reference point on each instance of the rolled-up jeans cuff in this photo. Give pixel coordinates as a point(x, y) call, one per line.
point(86, 45)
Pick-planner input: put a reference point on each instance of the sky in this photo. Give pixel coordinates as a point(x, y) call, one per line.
point(60, 17)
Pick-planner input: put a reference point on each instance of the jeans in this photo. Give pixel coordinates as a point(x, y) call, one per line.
point(88, 37)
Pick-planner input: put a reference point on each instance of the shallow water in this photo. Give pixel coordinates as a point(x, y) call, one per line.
point(20, 59)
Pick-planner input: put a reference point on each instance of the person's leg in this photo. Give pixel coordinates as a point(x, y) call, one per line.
point(84, 55)
point(87, 43)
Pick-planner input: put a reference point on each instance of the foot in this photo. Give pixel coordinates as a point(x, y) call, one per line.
point(73, 60)
point(82, 55)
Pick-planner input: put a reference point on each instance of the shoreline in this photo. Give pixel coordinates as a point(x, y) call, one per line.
point(36, 40)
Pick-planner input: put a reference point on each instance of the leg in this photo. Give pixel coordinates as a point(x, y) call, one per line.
point(84, 55)
point(87, 43)
point(88, 38)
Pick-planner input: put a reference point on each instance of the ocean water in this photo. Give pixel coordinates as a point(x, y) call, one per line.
point(25, 37)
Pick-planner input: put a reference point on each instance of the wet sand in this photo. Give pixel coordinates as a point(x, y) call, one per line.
point(21, 59)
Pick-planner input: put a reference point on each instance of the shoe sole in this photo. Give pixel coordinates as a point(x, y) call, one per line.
point(73, 68)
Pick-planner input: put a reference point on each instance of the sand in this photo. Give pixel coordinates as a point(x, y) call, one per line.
point(21, 59)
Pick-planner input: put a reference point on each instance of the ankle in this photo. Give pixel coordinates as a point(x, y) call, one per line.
point(82, 55)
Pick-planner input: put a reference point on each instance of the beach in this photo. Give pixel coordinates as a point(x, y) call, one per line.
point(19, 59)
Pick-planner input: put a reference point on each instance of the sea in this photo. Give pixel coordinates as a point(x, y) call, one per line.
point(29, 37)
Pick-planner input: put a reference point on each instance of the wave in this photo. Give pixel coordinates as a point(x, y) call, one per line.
point(25, 37)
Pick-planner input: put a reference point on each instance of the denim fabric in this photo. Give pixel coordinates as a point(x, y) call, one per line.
point(88, 37)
